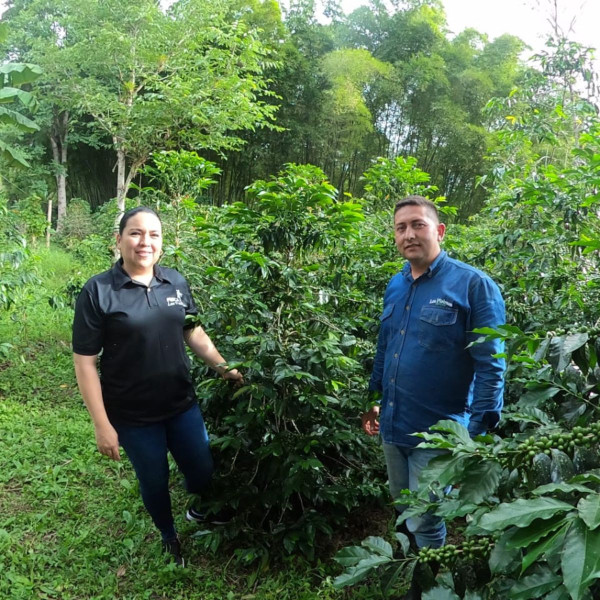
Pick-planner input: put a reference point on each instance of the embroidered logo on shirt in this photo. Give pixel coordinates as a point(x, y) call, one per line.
point(441, 302)
point(173, 301)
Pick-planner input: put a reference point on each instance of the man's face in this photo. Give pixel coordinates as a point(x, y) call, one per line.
point(418, 235)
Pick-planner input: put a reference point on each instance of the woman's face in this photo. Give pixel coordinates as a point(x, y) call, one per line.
point(140, 243)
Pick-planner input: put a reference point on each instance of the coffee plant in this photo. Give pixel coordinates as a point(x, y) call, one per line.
point(288, 286)
point(16, 268)
point(525, 504)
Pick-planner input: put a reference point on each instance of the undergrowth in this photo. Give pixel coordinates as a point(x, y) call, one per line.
point(72, 525)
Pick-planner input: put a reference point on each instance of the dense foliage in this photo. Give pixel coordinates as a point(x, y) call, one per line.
point(524, 509)
point(288, 268)
point(121, 81)
point(281, 285)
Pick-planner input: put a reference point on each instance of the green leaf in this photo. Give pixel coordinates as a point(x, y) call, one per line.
point(391, 575)
point(567, 488)
point(580, 561)
point(480, 481)
point(351, 556)
point(403, 541)
point(378, 545)
point(540, 528)
point(9, 94)
point(445, 470)
point(12, 155)
point(560, 593)
point(456, 429)
point(521, 513)
point(440, 593)
point(533, 398)
point(20, 73)
point(536, 585)
point(488, 331)
point(549, 545)
point(351, 576)
point(591, 476)
point(12, 117)
point(541, 469)
point(589, 510)
point(503, 558)
point(451, 509)
point(561, 348)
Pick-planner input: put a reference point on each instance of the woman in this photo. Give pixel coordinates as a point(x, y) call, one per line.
point(144, 399)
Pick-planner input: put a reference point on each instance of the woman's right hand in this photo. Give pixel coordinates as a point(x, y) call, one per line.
point(107, 441)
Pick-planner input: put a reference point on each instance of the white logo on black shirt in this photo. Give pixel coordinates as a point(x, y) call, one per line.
point(175, 301)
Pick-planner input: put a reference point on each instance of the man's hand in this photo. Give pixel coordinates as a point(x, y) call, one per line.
point(370, 422)
point(234, 376)
point(107, 441)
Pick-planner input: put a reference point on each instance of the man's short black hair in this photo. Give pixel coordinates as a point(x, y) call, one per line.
point(418, 201)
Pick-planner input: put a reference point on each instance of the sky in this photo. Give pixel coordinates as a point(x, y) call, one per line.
point(527, 19)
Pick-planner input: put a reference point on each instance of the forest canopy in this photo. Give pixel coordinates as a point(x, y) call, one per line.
point(252, 88)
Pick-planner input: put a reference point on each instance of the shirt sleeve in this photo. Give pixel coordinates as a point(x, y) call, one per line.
point(376, 381)
point(487, 310)
point(88, 323)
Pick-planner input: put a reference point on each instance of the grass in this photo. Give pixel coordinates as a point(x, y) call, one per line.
point(72, 525)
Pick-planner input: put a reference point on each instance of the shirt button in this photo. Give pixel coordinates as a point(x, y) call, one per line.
point(402, 332)
point(408, 307)
point(392, 380)
point(391, 404)
point(396, 355)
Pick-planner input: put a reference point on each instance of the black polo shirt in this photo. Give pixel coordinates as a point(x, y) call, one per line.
point(144, 367)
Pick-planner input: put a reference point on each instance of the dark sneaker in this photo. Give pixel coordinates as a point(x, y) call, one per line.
point(173, 547)
point(219, 518)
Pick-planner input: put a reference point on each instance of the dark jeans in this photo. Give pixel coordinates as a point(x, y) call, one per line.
point(185, 437)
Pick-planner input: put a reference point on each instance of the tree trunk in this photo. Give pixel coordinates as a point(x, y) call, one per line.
point(121, 166)
point(49, 219)
point(58, 141)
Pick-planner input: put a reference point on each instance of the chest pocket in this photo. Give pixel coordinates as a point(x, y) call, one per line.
point(386, 321)
point(440, 328)
point(387, 312)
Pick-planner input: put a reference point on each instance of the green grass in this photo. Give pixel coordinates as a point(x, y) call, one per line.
point(72, 525)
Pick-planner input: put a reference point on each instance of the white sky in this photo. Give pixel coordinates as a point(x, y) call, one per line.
point(527, 19)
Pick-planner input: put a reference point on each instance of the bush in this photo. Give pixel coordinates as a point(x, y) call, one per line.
point(283, 286)
point(77, 224)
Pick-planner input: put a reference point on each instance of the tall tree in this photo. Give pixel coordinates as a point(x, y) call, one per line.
point(143, 79)
point(346, 118)
point(44, 32)
point(152, 80)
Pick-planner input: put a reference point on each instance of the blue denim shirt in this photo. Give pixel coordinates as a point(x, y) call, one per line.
point(423, 366)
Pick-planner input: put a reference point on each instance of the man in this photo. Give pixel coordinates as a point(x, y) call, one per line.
point(423, 370)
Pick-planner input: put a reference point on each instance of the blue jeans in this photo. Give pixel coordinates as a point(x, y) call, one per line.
point(186, 438)
point(404, 466)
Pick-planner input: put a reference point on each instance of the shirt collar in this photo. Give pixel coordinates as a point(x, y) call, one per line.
point(120, 277)
point(433, 268)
